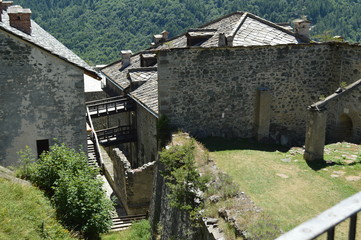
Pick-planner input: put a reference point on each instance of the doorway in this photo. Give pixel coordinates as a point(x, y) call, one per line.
point(42, 145)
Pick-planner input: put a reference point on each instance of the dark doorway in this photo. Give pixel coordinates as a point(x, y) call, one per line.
point(42, 145)
point(345, 128)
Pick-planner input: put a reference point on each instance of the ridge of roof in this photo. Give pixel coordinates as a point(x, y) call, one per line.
point(143, 69)
point(45, 41)
point(221, 18)
point(153, 49)
point(238, 25)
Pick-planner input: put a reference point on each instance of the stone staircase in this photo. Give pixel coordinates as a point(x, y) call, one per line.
point(122, 223)
point(92, 159)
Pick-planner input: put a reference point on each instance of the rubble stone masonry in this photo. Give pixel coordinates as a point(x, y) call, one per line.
point(215, 91)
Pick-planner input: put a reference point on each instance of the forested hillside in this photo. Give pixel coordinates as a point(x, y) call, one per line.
point(98, 29)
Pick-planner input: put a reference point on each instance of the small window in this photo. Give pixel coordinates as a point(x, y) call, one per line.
point(19, 18)
point(42, 145)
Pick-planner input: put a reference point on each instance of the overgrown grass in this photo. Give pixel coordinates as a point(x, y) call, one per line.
point(138, 231)
point(281, 182)
point(124, 235)
point(25, 213)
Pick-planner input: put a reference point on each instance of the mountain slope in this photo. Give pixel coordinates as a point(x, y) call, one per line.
point(98, 29)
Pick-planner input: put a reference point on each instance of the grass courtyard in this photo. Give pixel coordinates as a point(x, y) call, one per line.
point(280, 182)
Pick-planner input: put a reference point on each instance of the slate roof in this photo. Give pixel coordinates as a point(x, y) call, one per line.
point(44, 40)
point(245, 29)
point(148, 92)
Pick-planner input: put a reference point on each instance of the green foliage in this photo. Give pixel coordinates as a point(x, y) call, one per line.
point(81, 204)
point(163, 131)
point(343, 84)
point(60, 158)
point(223, 186)
point(183, 179)
point(26, 214)
point(98, 29)
point(140, 230)
point(264, 229)
point(26, 168)
point(74, 188)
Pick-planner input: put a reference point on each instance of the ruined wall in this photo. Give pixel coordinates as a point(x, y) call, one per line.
point(346, 108)
point(42, 97)
point(146, 136)
point(344, 118)
point(169, 222)
point(133, 186)
point(214, 91)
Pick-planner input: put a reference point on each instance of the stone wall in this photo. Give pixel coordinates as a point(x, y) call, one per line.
point(169, 222)
point(133, 186)
point(42, 97)
point(146, 136)
point(215, 91)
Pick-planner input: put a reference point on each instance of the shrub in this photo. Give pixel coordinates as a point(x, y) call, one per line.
point(59, 158)
point(73, 187)
point(80, 203)
point(183, 179)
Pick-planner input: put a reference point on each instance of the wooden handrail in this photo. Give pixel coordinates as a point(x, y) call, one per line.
point(97, 147)
point(107, 99)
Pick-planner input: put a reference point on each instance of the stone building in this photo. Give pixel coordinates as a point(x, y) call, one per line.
point(137, 75)
point(237, 76)
point(42, 88)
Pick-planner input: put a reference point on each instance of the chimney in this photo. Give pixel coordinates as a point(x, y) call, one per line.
point(222, 40)
point(159, 38)
point(165, 35)
point(1, 9)
point(302, 27)
point(126, 54)
point(5, 4)
point(20, 18)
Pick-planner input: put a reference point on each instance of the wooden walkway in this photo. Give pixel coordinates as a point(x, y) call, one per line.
point(110, 106)
point(120, 134)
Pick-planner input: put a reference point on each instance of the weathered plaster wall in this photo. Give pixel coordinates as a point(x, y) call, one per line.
point(214, 91)
point(146, 136)
point(133, 186)
point(42, 97)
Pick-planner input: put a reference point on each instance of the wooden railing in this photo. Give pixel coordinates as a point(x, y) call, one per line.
point(119, 134)
point(328, 220)
point(95, 140)
point(110, 105)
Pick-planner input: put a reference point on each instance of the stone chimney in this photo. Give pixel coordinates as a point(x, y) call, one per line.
point(165, 35)
point(302, 27)
point(6, 4)
point(159, 38)
point(1, 9)
point(222, 40)
point(20, 18)
point(126, 54)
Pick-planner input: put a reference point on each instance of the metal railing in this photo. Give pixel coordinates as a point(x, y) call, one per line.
point(95, 140)
point(327, 221)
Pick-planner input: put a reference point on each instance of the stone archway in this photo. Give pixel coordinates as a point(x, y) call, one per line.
point(344, 128)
